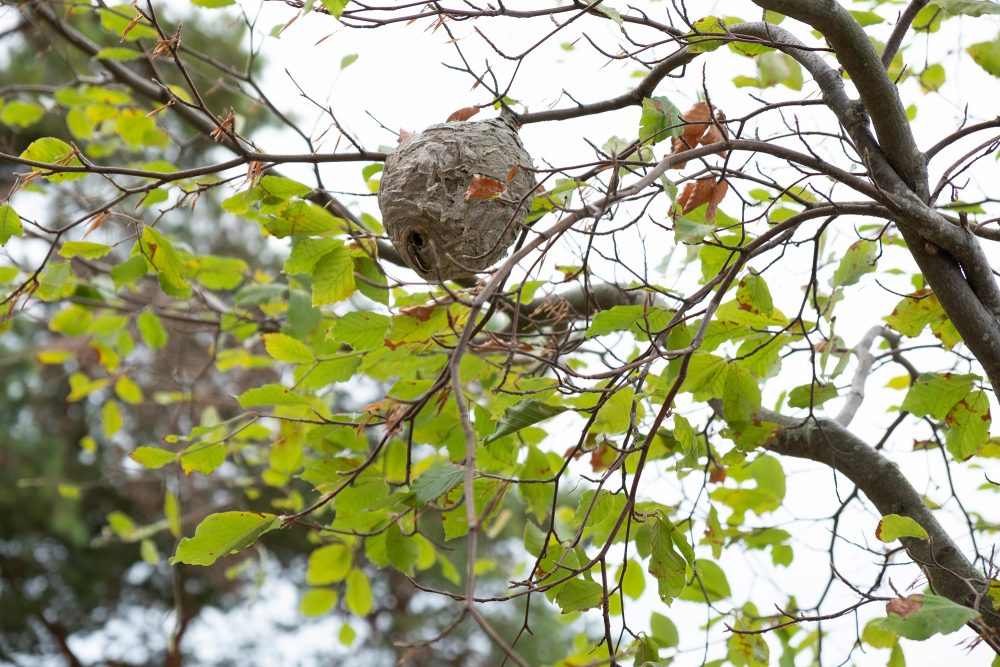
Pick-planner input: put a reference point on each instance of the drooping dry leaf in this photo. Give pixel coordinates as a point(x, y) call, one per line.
point(484, 187)
point(700, 129)
point(422, 313)
point(97, 222)
point(465, 113)
point(702, 191)
point(404, 135)
point(512, 174)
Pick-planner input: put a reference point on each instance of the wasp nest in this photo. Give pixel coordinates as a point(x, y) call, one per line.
point(454, 196)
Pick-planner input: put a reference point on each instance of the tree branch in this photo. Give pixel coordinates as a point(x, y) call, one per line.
point(948, 571)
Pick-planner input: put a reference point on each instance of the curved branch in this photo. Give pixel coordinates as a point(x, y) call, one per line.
point(948, 571)
point(878, 92)
point(632, 98)
point(899, 31)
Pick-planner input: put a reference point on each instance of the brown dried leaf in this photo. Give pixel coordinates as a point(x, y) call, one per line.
point(512, 174)
point(484, 187)
point(404, 135)
point(601, 457)
point(702, 191)
point(465, 113)
point(97, 222)
point(697, 119)
point(717, 474)
point(905, 606)
point(422, 313)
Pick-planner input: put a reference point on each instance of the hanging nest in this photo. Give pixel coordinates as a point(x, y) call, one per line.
point(454, 196)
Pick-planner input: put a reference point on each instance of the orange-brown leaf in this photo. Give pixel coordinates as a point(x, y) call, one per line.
point(697, 119)
point(702, 191)
point(512, 174)
point(484, 187)
point(97, 222)
point(905, 606)
point(421, 313)
point(465, 113)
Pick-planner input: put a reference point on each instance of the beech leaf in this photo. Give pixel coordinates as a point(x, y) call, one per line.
point(465, 113)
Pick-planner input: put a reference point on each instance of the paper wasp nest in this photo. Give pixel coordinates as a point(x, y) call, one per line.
point(454, 196)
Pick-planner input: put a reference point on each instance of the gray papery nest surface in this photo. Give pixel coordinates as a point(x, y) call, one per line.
point(438, 202)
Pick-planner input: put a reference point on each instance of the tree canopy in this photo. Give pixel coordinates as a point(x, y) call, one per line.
point(697, 370)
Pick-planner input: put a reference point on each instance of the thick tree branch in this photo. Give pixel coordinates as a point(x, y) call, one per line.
point(878, 92)
point(948, 571)
point(949, 255)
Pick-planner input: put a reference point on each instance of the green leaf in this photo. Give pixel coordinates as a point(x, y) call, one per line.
point(347, 60)
point(856, 262)
point(987, 55)
point(83, 249)
point(71, 321)
point(161, 254)
point(333, 277)
point(891, 527)
point(335, 7)
point(358, 594)
point(285, 348)
point(56, 152)
point(128, 391)
point(665, 562)
point(664, 631)
point(968, 7)
point(811, 395)
point(328, 564)
point(660, 120)
point(612, 14)
point(643, 321)
point(362, 330)
point(203, 457)
point(271, 394)
point(10, 224)
point(316, 601)
point(129, 271)
point(302, 217)
point(223, 534)
point(151, 330)
point(152, 457)
point(741, 395)
point(526, 413)
point(934, 394)
point(709, 583)
point(118, 53)
point(778, 68)
point(579, 594)
point(919, 310)
point(111, 419)
point(926, 616)
point(633, 583)
point(438, 480)
point(21, 114)
point(306, 252)
point(754, 296)
point(866, 18)
point(933, 77)
point(709, 24)
point(968, 423)
point(876, 635)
